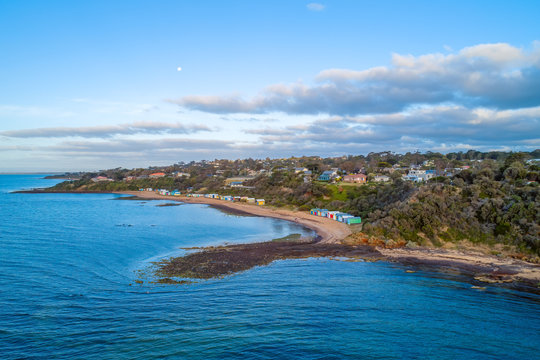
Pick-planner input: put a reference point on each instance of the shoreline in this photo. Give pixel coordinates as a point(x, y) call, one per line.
point(329, 231)
point(482, 268)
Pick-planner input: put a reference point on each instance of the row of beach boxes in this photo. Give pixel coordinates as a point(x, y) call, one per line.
point(230, 198)
point(163, 192)
point(337, 215)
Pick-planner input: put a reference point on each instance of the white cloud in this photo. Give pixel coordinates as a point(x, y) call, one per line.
point(489, 75)
point(139, 127)
point(449, 125)
point(315, 7)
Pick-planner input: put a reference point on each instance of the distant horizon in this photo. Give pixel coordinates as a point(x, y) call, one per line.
point(137, 83)
point(59, 172)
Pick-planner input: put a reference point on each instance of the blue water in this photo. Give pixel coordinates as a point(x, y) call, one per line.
point(68, 264)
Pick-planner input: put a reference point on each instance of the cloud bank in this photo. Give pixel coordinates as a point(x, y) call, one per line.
point(487, 75)
point(107, 131)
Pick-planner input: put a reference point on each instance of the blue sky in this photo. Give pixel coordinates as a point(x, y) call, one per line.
point(94, 84)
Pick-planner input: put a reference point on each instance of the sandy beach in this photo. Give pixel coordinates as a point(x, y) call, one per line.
point(329, 231)
point(483, 268)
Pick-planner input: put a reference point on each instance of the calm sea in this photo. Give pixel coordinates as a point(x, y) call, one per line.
point(68, 264)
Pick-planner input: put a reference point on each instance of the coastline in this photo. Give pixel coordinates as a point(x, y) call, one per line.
point(329, 231)
point(482, 268)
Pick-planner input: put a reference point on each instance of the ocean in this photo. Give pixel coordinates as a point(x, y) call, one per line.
point(69, 265)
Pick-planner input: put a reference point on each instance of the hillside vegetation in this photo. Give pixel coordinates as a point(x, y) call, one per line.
point(493, 201)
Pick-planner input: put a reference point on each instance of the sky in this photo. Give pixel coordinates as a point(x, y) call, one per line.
point(88, 85)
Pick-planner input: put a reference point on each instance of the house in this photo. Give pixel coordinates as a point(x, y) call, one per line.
point(181, 174)
point(260, 201)
point(328, 175)
point(324, 177)
point(355, 178)
point(353, 220)
point(157, 175)
point(419, 175)
point(300, 170)
point(101, 178)
point(381, 178)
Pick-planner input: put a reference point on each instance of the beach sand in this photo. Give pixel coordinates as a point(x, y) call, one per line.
point(483, 268)
point(329, 231)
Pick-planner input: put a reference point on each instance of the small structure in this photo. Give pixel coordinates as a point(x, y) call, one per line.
point(157, 175)
point(101, 179)
point(355, 178)
point(332, 214)
point(344, 218)
point(339, 216)
point(181, 174)
point(381, 178)
point(419, 175)
point(327, 175)
point(353, 220)
point(260, 201)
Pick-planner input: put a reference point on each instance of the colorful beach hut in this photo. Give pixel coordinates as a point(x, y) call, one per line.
point(331, 214)
point(354, 220)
